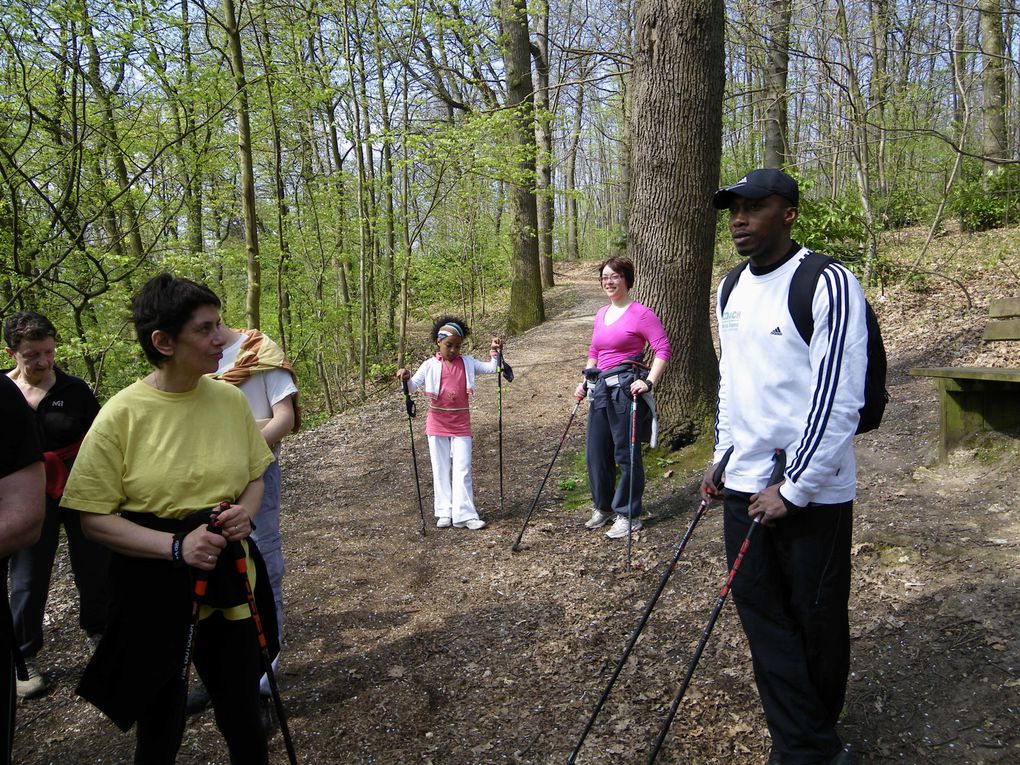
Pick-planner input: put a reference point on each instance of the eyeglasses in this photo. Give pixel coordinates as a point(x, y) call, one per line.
point(610, 279)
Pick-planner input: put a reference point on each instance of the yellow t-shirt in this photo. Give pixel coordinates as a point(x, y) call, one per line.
point(167, 453)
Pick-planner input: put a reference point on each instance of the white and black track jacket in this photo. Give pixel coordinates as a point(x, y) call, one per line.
point(776, 392)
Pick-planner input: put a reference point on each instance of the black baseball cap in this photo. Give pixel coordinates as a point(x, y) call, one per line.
point(758, 184)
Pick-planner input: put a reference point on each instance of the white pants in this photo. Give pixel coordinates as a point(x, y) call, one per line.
point(451, 478)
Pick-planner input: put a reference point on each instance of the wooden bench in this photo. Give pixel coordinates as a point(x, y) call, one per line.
point(973, 399)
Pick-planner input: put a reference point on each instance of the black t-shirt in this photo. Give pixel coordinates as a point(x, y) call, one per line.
point(19, 447)
point(66, 412)
point(20, 443)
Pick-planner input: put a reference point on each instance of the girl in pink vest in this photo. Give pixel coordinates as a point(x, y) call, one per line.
point(448, 379)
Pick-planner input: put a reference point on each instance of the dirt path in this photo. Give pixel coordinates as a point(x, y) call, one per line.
point(453, 650)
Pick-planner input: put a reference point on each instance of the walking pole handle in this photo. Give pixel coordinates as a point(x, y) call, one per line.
point(778, 467)
point(721, 468)
point(408, 402)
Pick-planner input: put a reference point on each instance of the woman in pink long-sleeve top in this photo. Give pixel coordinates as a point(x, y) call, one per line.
point(614, 376)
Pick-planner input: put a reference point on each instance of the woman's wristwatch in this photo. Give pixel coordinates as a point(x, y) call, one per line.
point(648, 383)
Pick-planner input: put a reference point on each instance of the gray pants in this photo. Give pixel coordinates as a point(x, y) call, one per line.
point(608, 450)
point(267, 536)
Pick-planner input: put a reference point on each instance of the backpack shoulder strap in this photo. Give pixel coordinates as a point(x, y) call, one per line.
point(729, 282)
point(802, 292)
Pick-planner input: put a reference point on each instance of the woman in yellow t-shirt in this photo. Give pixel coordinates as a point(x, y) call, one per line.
point(160, 454)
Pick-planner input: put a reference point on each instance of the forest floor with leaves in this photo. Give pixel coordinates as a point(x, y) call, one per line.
point(452, 649)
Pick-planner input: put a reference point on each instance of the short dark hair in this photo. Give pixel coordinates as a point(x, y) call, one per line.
point(165, 303)
point(438, 325)
point(27, 325)
point(623, 266)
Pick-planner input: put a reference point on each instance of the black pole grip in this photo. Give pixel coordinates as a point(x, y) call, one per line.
point(721, 468)
point(212, 526)
point(505, 369)
point(778, 467)
point(407, 399)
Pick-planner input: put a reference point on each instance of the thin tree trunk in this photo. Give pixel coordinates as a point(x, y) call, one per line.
point(570, 181)
point(111, 142)
point(389, 246)
point(777, 62)
point(859, 145)
point(526, 307)
point(364, 235)
point(993, 86)
point(253, 293)
point(543, 133)
point(279, 193)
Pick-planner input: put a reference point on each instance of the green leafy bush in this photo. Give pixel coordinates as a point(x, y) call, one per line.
point(983, 204)
point(900, 208)
point(832, 226)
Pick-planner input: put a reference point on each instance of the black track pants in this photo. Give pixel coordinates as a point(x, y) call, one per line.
point(228, 660)
point(30, 578)
point(791, 594)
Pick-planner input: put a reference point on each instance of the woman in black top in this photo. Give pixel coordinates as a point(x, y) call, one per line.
point(64, 409)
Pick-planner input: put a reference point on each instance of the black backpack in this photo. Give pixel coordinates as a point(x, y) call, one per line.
point(802, 291)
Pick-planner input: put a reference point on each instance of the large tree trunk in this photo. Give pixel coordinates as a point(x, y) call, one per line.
point(777, 61)
point(526, 307)
point(676, 147)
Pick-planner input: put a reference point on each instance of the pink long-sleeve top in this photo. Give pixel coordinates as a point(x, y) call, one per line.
point(625, 338)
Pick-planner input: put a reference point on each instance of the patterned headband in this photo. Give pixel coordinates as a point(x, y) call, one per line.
point(447, 330)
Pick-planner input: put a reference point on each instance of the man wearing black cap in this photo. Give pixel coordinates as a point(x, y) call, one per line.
point(781, 390)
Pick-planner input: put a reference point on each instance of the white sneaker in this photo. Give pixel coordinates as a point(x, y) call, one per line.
point(598, 519)
point(92, 642)
point(443, 523)
point(471, 523)
point(619, 528)
point(35, 685)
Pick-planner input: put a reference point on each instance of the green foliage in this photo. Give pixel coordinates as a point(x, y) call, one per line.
point(992, 202)
point(833, 226)
point(900, 208)
point(575, 484)
point(976, 209)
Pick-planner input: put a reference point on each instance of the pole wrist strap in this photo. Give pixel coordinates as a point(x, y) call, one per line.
point(177, 549)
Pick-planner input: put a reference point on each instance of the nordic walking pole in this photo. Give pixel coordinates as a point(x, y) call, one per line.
point(778, 468)
point(409, 404)
point(241, 566)
point(717, 480)
point(573, 411)
point(499, 383)
point(199, 588)
point(630, 479)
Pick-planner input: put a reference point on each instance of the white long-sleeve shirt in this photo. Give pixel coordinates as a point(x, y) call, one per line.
point(776, 392)
point(430, 373)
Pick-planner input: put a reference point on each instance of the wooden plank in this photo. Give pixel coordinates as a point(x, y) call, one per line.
point(996, 374)
point(970, 406)
point(1004, 308)
point(1003, 329)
